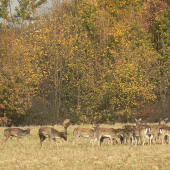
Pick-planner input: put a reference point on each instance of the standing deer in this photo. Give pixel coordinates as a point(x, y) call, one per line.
point(51, 133)
point(142, 132)
point(83, 132)
point(163, 121)
point(155, 129)
point(17, 132)
point(102, 133)
point(164, 131)
point(127, 133)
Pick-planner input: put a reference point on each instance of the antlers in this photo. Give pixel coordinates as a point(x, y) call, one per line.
point(66, 124)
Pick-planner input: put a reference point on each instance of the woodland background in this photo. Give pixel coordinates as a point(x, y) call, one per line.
point(93, 61)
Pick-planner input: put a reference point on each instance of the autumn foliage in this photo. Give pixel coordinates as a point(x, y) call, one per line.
point(91, 61)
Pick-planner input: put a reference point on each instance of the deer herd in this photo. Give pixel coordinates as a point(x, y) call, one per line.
point(141, 133)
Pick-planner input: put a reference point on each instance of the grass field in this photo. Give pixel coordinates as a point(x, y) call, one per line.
point(82, 156)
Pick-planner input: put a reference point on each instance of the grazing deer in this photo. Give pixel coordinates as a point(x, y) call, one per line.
point(164, 131)
point(17, 132)
point(83, 132)
point(51, 133)
point(163, 121)
point(102, 133)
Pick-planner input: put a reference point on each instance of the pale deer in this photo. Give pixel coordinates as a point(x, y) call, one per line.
point(83, 132)
point(163, 121)
point(16, 132)
point(140, 122)
point(102, 133)
point(155, 131)
point(143, 133)
point(51, 133)
point(164, 131)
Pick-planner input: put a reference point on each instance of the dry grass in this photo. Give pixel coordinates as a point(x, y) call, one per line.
point(82, 156)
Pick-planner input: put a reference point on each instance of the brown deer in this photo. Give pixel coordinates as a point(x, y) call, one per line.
point(164, 131)
point(142, 131)
point(102, 133)
point(129, 127)
point(83, 132)
point(127, 133)
point(17, 132)
point(155, 129)
point(51, 133)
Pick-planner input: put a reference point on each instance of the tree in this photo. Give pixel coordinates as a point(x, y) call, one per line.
point(23, 12)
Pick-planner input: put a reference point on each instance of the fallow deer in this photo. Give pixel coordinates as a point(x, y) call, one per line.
point(127, 133)
point(155, 129)
point(16, 132)
point(129, 127)
point(139, 122)
point(83, 132)
point(163, 121)
point(164, 131)
point(102, 133)
point(142, 131)
point(51, 133)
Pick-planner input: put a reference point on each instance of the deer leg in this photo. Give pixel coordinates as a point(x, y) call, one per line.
point(132, 140)
point(7, 137)
point(91, 142)
point(74, 142)
point(55, 141)
point(19, 137)
point(50, 141)
point(125, 140)
point(100, 140)
point(41, 141)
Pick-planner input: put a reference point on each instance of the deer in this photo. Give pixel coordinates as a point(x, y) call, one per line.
point(139, 122)
point(83, 132)
point(129, 127)
point(155, 129)
point(102, 133)
point(164, 131)
point(16, 132)
point(163, 121)
point(51, 133)
point(142, 131)
point(127, 132)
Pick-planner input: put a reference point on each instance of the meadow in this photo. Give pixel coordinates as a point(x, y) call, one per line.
point(82, 156)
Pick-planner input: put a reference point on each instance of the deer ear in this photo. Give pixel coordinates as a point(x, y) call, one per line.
point(166, 119)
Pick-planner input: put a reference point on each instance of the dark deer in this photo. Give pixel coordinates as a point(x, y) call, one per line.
point(17, 132)
point(51, 133)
